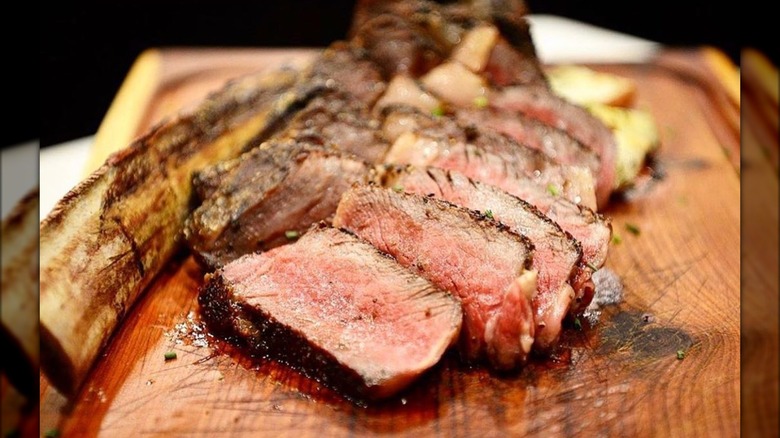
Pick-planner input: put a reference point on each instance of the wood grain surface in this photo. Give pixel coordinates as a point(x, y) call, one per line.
point(618, 377)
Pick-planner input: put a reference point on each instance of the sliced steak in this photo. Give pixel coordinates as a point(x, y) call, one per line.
point(589, 228)
point(559, 146)
point(266, 197)
point(468, 254)
point(423, 140)
point(335, 308)
point(557, 255)
point(338, 119)
point(543, 105)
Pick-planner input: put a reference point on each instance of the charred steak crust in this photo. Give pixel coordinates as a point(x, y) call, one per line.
point(337, 119)
point(260, 197)
point(263, 335)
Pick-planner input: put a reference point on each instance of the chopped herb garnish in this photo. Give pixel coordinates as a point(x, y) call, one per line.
point(552, 189)
point(291, 234)
point(481, 101)
point(616, 239)
point(680, 355)
point(592, 268)
point(398, 189)
point(489, 213)
point(577, 324)
point(438, 111)
point(633, 229)
point(52, 433)
point(170, 355)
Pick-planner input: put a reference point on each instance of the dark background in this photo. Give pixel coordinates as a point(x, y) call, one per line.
point(87, 48)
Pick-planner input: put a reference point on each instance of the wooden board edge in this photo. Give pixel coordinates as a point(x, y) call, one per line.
point(725, 72)
point(126, 112)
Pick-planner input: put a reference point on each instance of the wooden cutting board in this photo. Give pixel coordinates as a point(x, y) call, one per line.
point(620, 376)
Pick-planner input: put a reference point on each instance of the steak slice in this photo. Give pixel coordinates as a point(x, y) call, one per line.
point(399, 46)
point(335, 308)
point(423, 140)
point(338, 119)
point(557, 256)
point(541, 104)
point(266, 197)
point(462, 251)
point(559, 146)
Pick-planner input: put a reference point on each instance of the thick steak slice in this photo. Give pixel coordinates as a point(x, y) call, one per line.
point(422, 140)
point(541, 104)
point(266, 197)
point(337, 309)
point(468, 254)
point(557, 256)
point(559, 146)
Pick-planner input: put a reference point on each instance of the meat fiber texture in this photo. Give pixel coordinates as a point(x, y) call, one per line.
point(333, 307)
point(480, 261)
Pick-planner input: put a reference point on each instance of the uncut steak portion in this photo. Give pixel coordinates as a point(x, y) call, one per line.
point(557, 256)
point(266, 197)
point(424, 140)
point(462, 251)
point(335, 308)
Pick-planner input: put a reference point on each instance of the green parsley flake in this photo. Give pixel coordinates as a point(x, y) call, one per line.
point(633, 229)
point(481, 101)
point(552, 189)
point(170, 355)
point(577, 324)
point(291, 234)
point(592, 268)
point(398, 189)
point(680, 355)
point(52, 433)
point(489, 213)
point(616, 239)
point(438, 111)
